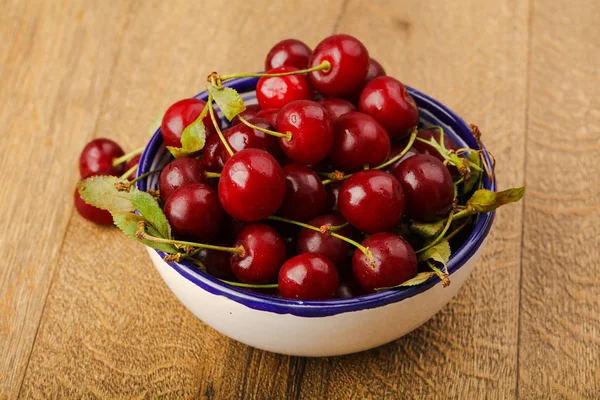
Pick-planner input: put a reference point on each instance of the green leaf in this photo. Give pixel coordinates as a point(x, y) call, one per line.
point(151, 211)
point(193, 137)
point(440, 253)
point(470, 183)
point(484, 200)
point(427, 230)
point(420, 278)
point(101, 192)
point(229, 100)
point(127, 222)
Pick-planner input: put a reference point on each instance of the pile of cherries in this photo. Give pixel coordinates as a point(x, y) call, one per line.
point(307, 199)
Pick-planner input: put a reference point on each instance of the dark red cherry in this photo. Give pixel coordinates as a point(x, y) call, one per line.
point(269, 114)
point(395, 262)
point(424, 148)
point(179, 116)
point(308, 277)
point(248, 113)
point(387, 100)
point(264, 253)
point(252, 185)
point(349, 61)
point(133, 163)
point(305, 196)
point(242, 137)
point(311, 129)
point(397, 149)
point(211, 154)
point(336, 107)
point(217, 262)
point(348, 288)
point(180, 172)
point(289, 53)
point(428, 187)
point(336, 250)
point(333, 194)
point(97, 157)
point(194, 212)
point(359, 140)
point(372, 201)
point(91, 213)
point(375, 70)
point(275, 92)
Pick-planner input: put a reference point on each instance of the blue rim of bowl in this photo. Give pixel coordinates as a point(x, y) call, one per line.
point(326, 308)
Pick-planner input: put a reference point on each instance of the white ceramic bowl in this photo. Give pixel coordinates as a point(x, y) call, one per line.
point(318, 328)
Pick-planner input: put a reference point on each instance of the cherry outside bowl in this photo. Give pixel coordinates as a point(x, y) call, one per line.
point(318, 328)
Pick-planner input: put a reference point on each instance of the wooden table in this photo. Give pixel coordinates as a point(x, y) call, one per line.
point(85, 314)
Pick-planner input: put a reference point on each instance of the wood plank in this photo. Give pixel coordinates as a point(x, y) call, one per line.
point(55, 63)
point(559, 352)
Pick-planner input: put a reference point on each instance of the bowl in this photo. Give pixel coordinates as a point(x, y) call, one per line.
point(318, 328)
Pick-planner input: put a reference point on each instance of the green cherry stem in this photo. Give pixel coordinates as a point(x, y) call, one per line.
point(442, 275)
point(210, 175)
point(216, 125)
point(324, 66)
point(454, 232)
point(287, 135)
point(411, 140)
point(129, 172)
point(128, 156)
point(440, 236)
point(251, 286)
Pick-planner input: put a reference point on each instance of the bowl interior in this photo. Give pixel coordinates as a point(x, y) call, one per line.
point(431, 112)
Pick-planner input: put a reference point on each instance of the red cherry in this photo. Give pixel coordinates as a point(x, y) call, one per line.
point(91, 213)
point(132, 163)
point(194, 212)
point(333, 194)
point(308, 277)
point(372, 201)
point(348, 288)
point(269, 114)
point(264, 253)
point(305, 196)
point(428, 187)
point(311, 129)
point(97, 157)
point(252, 185)
point(336, 107)
point(180, 172)
point(349, 61)
point(212, 156)
point(248, 113)
point(397, 149)
point(216, 262)
point(359, 140)
point(290, 53)
point(395, 262)
point(424, 148)
point(336, 250)
point(275, 92)
point(387, 100)
point(375, 70)
point(179, 116)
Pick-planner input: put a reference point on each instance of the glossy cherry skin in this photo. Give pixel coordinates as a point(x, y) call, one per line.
point(250, 112)
point(264, 254)
point(311, 129)
point(91, 213)
point(387, 100)
point(97, 157)
point(424, 148)
point(372, 201)
point(349, 61)
point(308, 277)
point(180, 172)
point(397, 149)
point(428, 187)
point(212, 156)
point(269, 114)
point(288, 53)
point(336, 250)
point(217, 263)
point(359, 140)
point(375, 70)
point(348, 288)
point(305, 196)
point(395, 262)
point(333, 194)
point(179, 116)
point(336, 107)
point(252, 185)
point(194, 212)
point(275, 92)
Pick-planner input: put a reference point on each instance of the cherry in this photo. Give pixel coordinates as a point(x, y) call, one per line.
point(333, 194)
point(264, 253)
point(349, 61)
point(305, 196)
point(424, 148)
point(308, 277)
point(248, 113)
point(132, 163)
point(269, 114)
point(289, 53)
point(311, 129)
point(336, 107)
point(180, 172)
point(179, 116)
point(216, 263)
point(372, 201)
point(387, 100)
point(428, 187)
point(336, 250)
point(97, 157)
point(211, 154)
point(252, 185)
point(395, 262)
point(397, 149)
point(89, 212)
point(348, 288)
point(275, 92)
point(359, 140)
point(375, 70)
point(194, 212)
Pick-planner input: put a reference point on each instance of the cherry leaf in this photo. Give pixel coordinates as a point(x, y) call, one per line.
point(229, 100)
point(127, 222)
point(440, 252)
point(420, 278)
point(470, 183)
point(100, 191)
point(484, 200)
point(193, 137)
point(427, 230)
point(151, 211)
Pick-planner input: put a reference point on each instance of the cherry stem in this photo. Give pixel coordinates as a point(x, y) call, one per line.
point(130, 171)
point(454, 232)
point(456, 186)
point(127, 157)
point(464, 213)
point(442, 275)
point(440, 236)
point(287, 135)
point(411, 140)
point(250, 285)
point(216, 125)
point(144, 175)
point(324, 66)
point(141, 234)
point(212, 174)
point(338, 227)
